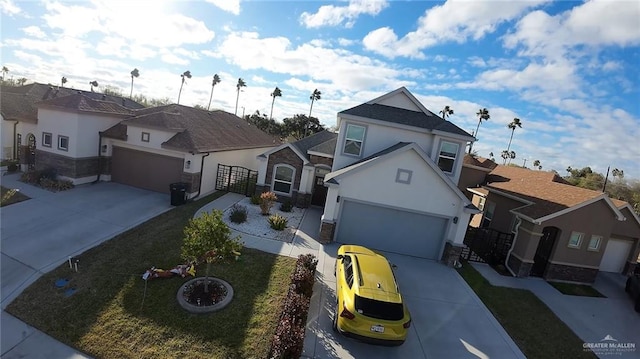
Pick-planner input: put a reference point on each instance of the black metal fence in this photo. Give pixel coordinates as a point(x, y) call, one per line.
point(486, 245)
point(236, 179)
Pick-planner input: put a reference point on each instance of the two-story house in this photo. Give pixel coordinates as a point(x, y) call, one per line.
point(391, 174)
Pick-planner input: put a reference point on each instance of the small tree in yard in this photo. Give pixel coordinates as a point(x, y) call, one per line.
point(208, 239)
point(266, 202)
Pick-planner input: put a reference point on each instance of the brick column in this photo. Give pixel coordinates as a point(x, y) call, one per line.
point(326, 232)
point(451, 253)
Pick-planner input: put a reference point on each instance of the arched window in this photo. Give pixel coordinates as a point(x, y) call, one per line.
point(283, 178)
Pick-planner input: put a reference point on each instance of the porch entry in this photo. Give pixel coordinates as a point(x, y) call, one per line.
point(236, 179)
point(543, 252)
point(319, 194)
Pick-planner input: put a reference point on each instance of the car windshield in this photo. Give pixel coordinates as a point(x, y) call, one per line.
point(378, 309)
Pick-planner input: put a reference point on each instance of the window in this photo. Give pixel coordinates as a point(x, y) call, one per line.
point(283, 179)
point(489, 208)
point(46, 139)
point(447, 156)
point(594, 243)
point(481, 203)
point(348, 270)
point(145, 137)
point(63, 143)
point(575, 240)
point(353, 140)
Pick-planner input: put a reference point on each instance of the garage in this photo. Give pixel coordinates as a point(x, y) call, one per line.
point(145, 170)
point(615, 255)
point(391, 230)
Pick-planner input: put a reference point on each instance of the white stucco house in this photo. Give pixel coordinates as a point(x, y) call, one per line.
point(90, 137)
point(390, 176)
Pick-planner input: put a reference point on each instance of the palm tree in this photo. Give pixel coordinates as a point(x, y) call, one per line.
point(21, 81)
point(536, 163)
point(216, 80)
point(93, 84)
point(186, 74)
point(512, 156)
point(5, 71)
point(446, 112)
point(239, 85)
point(618, 173)
point(483, 114)
point(276, 93)
point(63, 81)
point(315, 96)
point(512, 125)
point(504, 155)
point(134, 73)
point(491, 156)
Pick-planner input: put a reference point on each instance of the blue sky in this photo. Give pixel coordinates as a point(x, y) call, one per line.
point(568, 70)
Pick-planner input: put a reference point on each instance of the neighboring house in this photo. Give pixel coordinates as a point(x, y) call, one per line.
point(87, 139)
point(562, 232)
point(392, 181)
point(474, 172)
point(19, 116)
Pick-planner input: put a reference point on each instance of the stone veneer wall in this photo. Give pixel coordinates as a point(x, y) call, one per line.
point(192, 180)
point(520, 268)
point(67, 166)
point(629, 268)
point(451, 253)
point(288, 157)
point(326, 232)
point(570, 273)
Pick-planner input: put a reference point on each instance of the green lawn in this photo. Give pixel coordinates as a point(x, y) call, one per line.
point(576, 289)
point(537, 331)
point(107, 318)
point(11, 196)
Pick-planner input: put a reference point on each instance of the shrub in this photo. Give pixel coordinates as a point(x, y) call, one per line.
point(12, 167)
point(238, 214)
point(266, 202)
point(288, 341)
point(63, 185)
point(50, 173)
point(255, 199)
point(32, 177)
point(277, 222)
point(286, 206)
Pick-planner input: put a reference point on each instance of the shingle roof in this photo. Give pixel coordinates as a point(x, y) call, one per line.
point(315, 140)
point(19, 107)
point(80, 102)
point(404, 117)
point(548, 192)
point(201, 130)
point(327, 147)
point(479, 162)
point(118, 131)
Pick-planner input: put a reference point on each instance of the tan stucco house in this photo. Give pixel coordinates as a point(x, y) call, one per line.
point(561, 232)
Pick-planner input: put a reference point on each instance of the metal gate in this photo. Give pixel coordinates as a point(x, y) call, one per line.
point(486, 245)
point(236, 179)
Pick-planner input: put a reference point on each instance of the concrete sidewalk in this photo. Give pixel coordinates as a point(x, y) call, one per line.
point(590, 318)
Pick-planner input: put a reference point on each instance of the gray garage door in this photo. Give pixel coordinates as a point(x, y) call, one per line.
point(391, 230)
point(145, 170)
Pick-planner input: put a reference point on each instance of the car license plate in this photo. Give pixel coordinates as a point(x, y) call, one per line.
point(377, 328)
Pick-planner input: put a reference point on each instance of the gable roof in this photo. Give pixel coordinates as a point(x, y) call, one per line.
point(478, 162)
point(17, 107)
point(549, 194)
point(333, 177)
point(424, 118)
point(302, 146)
point(82, 103)
point(200, 130)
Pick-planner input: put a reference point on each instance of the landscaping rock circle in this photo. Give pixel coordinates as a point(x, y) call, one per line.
point(199, 309)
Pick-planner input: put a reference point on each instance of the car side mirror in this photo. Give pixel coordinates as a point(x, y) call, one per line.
point(340, 257)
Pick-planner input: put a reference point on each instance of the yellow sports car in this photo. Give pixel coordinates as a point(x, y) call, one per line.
point(370, 307)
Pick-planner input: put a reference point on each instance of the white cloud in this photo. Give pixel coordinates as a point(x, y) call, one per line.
point(611, 66)
point(172, 58)
point(8, 7)
point(346, 42)
point(156, 28)
point(34, 31)
point(330, 15)
point(453, 21)
point(232, 6)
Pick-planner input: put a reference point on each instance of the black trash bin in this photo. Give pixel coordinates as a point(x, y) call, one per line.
point(178, 193)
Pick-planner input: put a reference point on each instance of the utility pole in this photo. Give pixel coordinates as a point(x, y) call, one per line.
point(525, 163)
point(606, 179)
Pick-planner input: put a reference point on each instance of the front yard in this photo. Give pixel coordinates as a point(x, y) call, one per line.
point(113, 314)
point(537, 331)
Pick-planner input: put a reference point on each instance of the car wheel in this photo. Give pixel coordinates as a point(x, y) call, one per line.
point(627, 287)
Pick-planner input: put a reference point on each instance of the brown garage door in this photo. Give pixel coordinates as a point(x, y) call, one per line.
point(145, 170)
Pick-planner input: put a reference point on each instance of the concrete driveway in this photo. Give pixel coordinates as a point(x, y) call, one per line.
point(41, 233)
point(448, 319)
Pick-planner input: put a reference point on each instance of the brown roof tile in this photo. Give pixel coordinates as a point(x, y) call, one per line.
point(479, 162)
point(548, 192)
point(201, 130)
point(18, 107)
